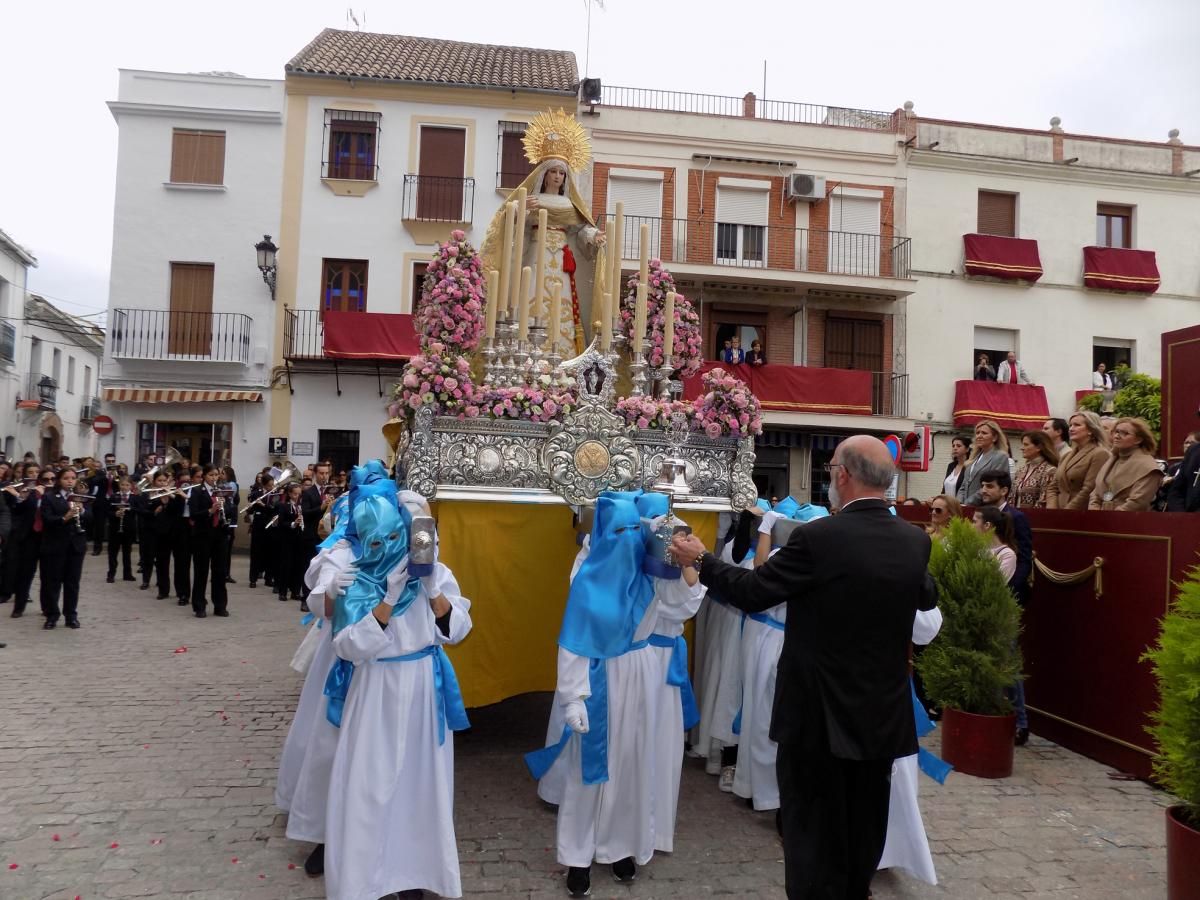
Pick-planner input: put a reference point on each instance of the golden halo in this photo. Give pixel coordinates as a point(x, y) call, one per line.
point(555, 135)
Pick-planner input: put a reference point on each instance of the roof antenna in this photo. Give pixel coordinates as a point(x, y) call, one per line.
point(587, 55)
point(351, 17)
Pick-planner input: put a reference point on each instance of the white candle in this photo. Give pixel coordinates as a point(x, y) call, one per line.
point(616, 243)
point(555, 326)
point(518, 250)
point(668, 328)
point(493, 300)
point(639, 317)
point(600, 301)
point(523, 308)
point(506, 268)
point(644, 254)
point(539, 288)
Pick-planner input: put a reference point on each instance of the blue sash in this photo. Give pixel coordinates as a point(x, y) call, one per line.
point(451, 709)
point(594, 744)
point(933, 766)
point(677, 675)
point(763, 619)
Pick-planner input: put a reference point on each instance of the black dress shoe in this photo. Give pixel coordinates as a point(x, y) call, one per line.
point(72, 623)
point(223, 613)
point(229, 580)
point(47, 625)
point(162, 596)
point(145, 587)
point(254, 584)
point(111, 578)
point(201, 614)
point(183, 601)
point(1022, 737)
point(304, 606)
point(283, 598)
point(415, 894)
point(128, 578)
point(579, 881)
point(314, 866)
point(17, 612)
point(95, 553)
point(624, 870)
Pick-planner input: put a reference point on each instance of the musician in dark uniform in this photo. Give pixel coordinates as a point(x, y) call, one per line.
point(65, 526)
point(154, 527)
point(122, 531)
point(257, 518)
point(181, 541)
point(288, 517)
point(102, 486)
point(210, 542)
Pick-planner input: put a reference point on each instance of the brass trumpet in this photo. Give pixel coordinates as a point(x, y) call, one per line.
point(172, 458)
point(155, 493)
point(288, 475)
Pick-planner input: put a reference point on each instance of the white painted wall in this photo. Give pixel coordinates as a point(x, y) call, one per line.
point(13, 278)
point(317, 406)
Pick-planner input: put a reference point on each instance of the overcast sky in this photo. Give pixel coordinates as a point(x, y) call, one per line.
point(1121, 68)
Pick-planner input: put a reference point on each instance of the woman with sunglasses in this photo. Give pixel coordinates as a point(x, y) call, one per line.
point(1129, 480)
point(943, 509)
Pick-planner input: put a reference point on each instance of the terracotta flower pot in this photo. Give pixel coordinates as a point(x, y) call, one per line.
point(978, 745)
point(1183, 858)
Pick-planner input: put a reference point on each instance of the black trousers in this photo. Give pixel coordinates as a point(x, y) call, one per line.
point(181, 549)
point(156, 550)
point(121, 542)
point(834, 814)
point(27, 554)
point(210, 555)
point(289, 578)
point(60, 575)
point(99, 525)
point(10, 566)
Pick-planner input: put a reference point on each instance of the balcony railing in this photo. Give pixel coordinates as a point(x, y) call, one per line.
point(684, 241)
point(89, 409)
point(747, 107)
point(167, 334)
point(889, 394)
point(303, 334)
point(41, 392)
point(437, 198)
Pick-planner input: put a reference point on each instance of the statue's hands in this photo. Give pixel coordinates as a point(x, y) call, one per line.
point(576, 716)
point(601, 239)
point(531, 204)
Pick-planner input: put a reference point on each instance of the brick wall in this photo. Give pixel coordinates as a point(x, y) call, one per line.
point(702, 208)
point(781, 337)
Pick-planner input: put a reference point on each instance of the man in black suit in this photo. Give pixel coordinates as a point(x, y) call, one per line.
point(102, 486)
point(313, 504)
point(843, 711)
point(1183, 493)
point(209, 546)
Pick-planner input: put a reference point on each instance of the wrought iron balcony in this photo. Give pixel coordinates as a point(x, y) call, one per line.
point(169, 335)
point(436, 198)
point(689, 241)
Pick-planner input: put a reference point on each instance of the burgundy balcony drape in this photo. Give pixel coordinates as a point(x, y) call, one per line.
point(1016, 259)
point(1014, 407)
point(1117, 269)
point(797, 388)
point(363, 335)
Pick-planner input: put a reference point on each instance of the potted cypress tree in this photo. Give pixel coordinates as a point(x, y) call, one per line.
point(975, 656)
point(1176, 728)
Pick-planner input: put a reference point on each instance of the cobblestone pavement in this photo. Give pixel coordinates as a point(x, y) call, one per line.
point(130, 768)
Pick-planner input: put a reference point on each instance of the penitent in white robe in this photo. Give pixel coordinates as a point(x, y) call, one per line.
point(677, 602)
point(755, 779)
point(718, 669)
point(390, 823)
point(302, 786)
point(907, 846)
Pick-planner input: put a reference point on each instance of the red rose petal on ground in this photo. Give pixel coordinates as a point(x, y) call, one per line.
point(145, 746)
point(261, 875)
point(290, 865)
point(233, 860)
point(55, 837)
point(113, 846)
point(181, 649)
point(156, 840)
point(14, 865)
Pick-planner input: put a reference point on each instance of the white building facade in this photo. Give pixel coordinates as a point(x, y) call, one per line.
point(190, 319)
point(15, 263)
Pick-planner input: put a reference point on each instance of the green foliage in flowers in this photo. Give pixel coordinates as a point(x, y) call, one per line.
point(975, 655)
point(1140, 397)
point(1176, 728)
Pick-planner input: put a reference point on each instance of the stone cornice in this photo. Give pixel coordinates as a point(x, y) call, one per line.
point(120, 108)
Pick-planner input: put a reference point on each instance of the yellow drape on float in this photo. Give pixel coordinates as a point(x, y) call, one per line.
point(513, 562)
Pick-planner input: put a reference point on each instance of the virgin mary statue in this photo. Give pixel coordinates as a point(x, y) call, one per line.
point(558, 147)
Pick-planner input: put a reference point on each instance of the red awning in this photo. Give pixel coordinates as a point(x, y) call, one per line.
point(1117, 269)
point(367, 336)
point(798, 388)
point(1014, 407)
point(1016, 259)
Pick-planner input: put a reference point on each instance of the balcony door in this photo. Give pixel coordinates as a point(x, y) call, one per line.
point(742, 226)
point(344, 286)
point(440, 191)
point(854, 235)
point(642, 205)
point(189, 322)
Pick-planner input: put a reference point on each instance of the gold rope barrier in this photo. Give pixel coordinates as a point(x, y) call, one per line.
point(1073, 577)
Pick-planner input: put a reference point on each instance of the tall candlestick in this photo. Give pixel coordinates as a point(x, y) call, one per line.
point(639, 317)
point(668, 329)
point(554, 329)
point(523, 307)
point(616, 243)
point(539, 283)
point(493, 301)
point(518, 249)
point(602, 300)
point(506, 267)
point(644, 254)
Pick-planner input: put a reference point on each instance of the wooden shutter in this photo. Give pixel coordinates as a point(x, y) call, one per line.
point(854, 241)
point(189, 327)
point(197, 157)
point(514, 167)
point(854, 344)
point(997, 214)
point(418, 277)
point(440, 191)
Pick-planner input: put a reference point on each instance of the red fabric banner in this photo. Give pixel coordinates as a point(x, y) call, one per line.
point(362, 335)
point(797, 388)
point(1014, 407)
point(1117, 269)
point(1016, 259)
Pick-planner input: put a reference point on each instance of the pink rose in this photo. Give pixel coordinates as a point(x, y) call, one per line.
point(410, 380)
point(713, 430)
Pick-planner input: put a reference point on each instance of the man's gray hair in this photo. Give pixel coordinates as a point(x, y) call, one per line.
point(866, 472)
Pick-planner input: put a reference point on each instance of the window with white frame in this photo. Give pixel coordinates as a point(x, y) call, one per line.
point(741, 238)
point(854, 232)
point(70, 374)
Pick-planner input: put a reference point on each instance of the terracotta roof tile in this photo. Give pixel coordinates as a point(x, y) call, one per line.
point(394, 57)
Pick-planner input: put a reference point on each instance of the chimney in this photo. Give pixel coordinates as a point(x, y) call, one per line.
point(749, 102)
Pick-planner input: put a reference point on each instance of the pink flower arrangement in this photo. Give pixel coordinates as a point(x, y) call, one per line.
point(686, 354)
point(726, 407)
point(533, 403)
point(438, 380)
point(650, 412)
point(450, 311)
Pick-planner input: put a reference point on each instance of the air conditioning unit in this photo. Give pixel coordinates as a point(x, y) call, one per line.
point(806, 188)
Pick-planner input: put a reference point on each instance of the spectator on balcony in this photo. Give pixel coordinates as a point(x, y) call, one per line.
point(1012, 372)
point(733, 351)
point(1076, 476)
point(983, 369)
point(960, 452)
point(991, 452)
point(1056, 430)
point(1129, 480)
point(755, 356)
point(1041, 462)
point(1101, 380)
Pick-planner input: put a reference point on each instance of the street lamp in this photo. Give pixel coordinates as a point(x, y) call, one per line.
point(47, 388)
point(266, 250)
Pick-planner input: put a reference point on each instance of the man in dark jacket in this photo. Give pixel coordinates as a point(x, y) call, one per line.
point(843, 711)
point(1183, 493)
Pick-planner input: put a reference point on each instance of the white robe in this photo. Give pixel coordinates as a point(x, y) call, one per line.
point(754, 778)
point(907, 846)
point(677, 602)
point(302, 786)
point(718, 669)
point(390, 823)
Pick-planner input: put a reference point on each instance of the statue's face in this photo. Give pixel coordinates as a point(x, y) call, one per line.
point(554, 181)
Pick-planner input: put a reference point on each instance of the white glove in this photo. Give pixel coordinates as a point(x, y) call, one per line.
point(398, 576)
point(430, 584)
point(769, 518)
point(577, 717)
point(343, 578)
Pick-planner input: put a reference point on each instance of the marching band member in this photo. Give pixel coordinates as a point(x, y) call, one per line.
point(233, 496)
point(288, 521)
point(181, 540)
point(122, 531)
point(28, 529)
point(102, 485)
point(154, 526)
point(257, 518)
point(206, 509)
point(65, 524)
